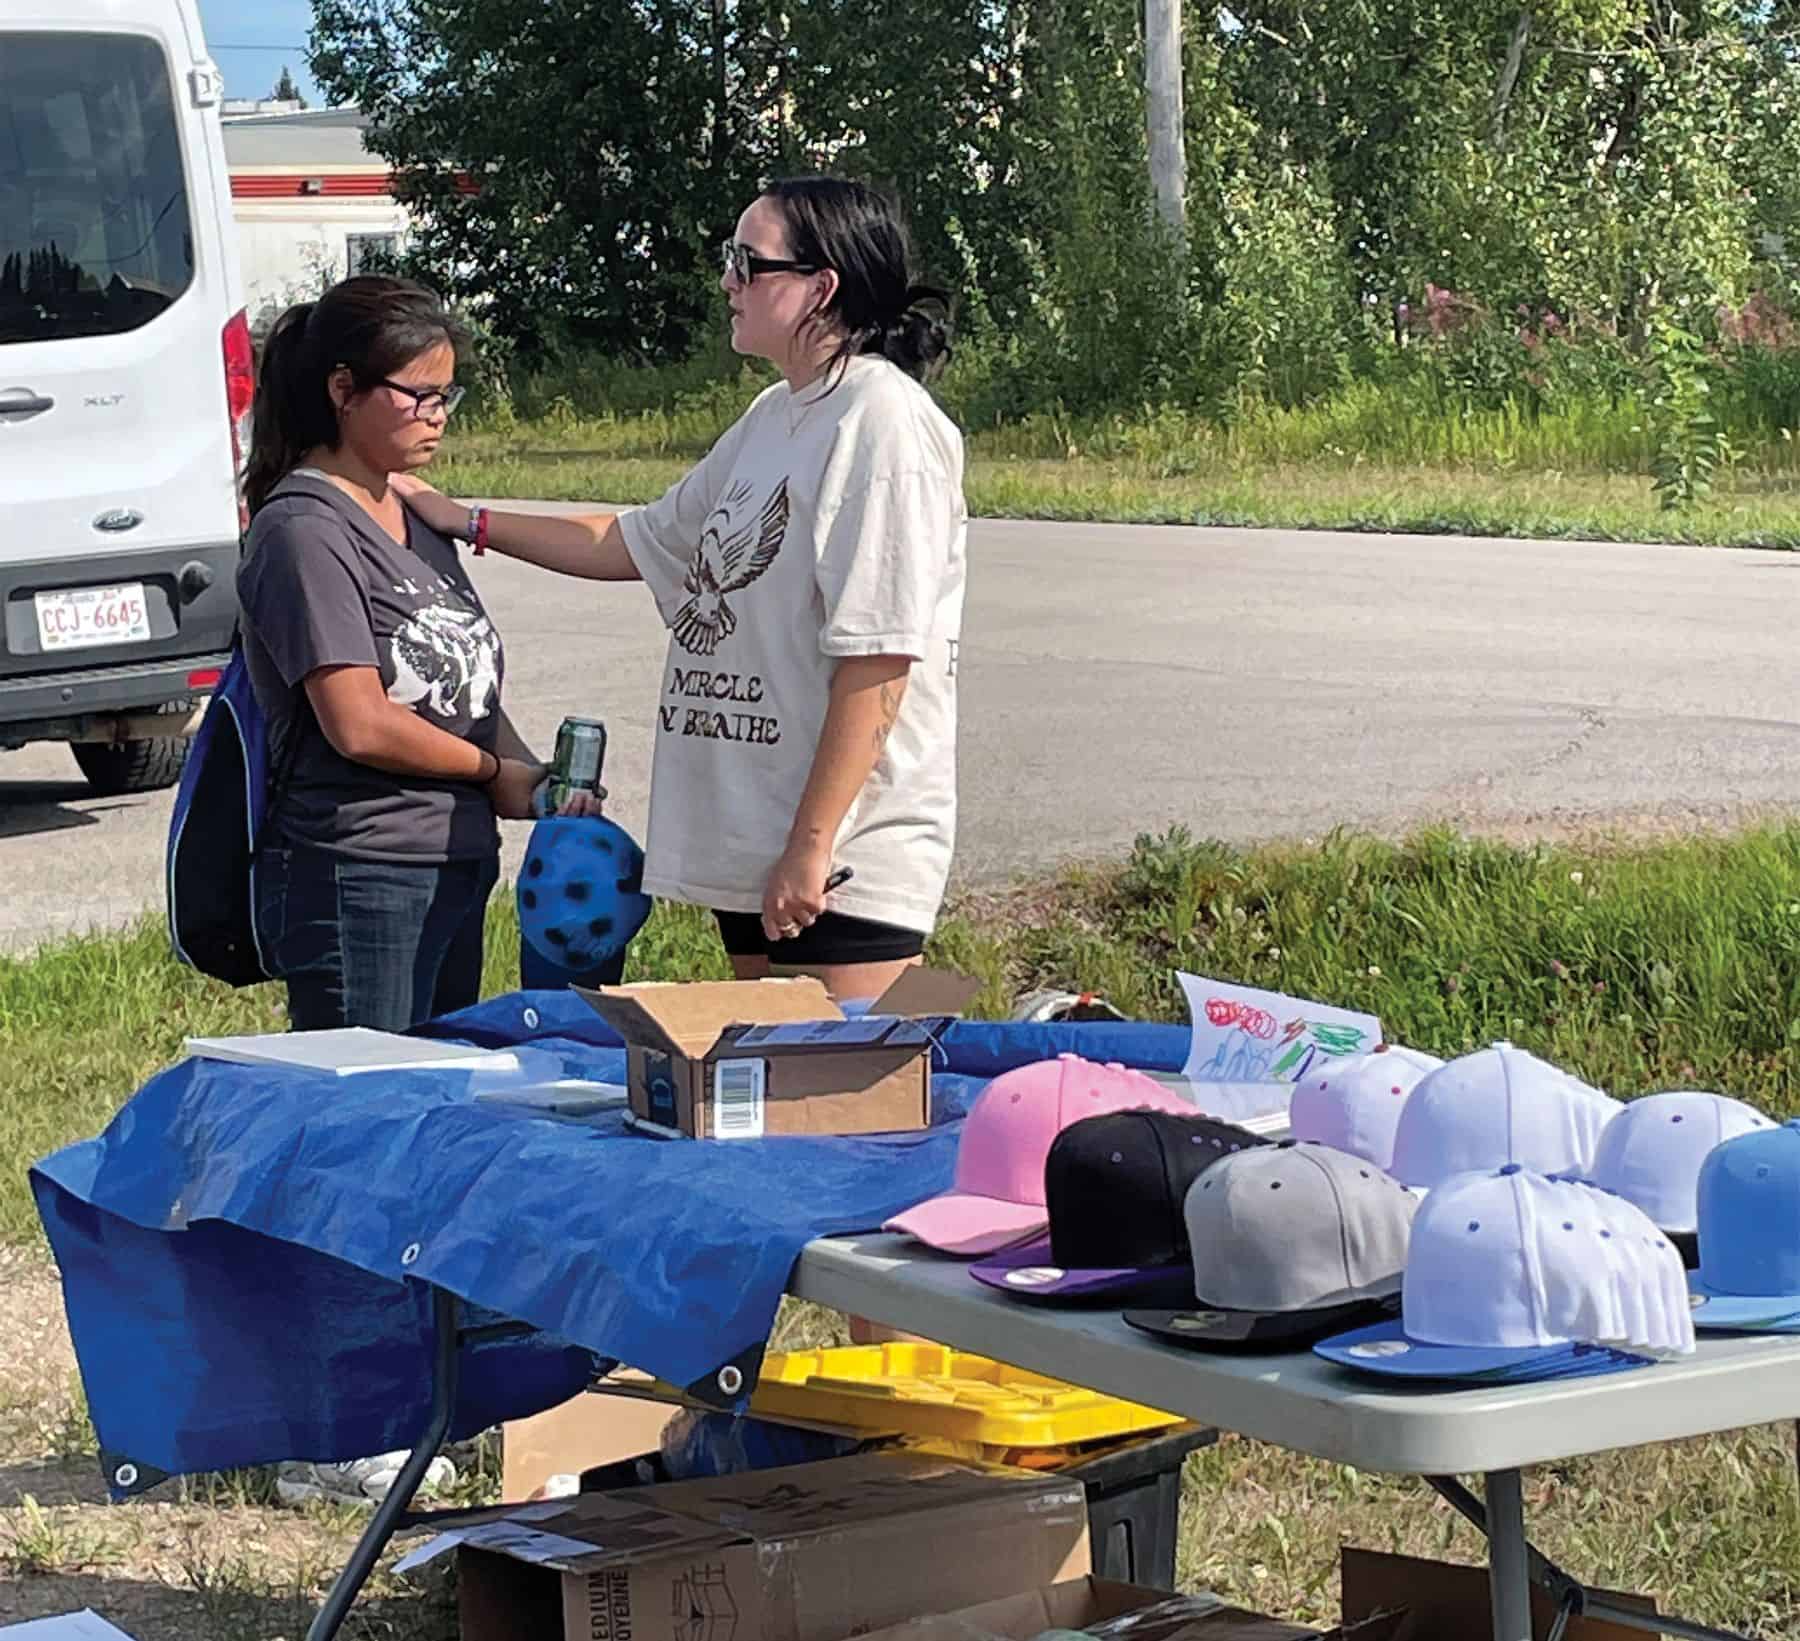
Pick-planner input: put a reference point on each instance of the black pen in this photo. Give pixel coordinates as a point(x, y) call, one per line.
point(839, 878)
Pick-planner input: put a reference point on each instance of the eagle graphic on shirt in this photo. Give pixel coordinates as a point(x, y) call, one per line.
point(727, 563)
point(445, 657)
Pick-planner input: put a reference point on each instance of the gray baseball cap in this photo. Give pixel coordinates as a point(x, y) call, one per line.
point(1289, 1242)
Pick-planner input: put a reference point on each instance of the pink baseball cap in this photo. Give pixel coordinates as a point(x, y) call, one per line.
point(998, 1196)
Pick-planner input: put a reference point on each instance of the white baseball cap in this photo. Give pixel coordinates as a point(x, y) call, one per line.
point(1495, 1106)
point(1513, 1276)
point(1651, 1152)
point(1354, 1104)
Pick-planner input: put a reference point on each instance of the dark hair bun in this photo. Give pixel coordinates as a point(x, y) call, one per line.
point(917, 338)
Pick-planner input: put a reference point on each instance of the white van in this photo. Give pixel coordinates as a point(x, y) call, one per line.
point(126, 377)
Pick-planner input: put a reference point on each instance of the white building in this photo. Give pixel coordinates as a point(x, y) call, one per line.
point(310, 201)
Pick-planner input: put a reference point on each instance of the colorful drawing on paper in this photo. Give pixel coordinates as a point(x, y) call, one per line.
point(1243, 1035)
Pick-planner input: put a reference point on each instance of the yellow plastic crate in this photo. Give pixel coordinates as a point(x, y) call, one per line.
point(943, 1396)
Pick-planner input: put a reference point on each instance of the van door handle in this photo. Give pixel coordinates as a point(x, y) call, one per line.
point(22, 402)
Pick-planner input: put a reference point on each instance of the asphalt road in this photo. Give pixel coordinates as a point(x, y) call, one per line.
point(1249, 684)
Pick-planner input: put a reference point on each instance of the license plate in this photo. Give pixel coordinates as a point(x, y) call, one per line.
point(87, 616)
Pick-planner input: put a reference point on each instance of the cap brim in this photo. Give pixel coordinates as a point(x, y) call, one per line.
point(1743, 1312)
point(959, 1222)
point(1027, 1271)
point(1198, 1329)
point(1385, 1349)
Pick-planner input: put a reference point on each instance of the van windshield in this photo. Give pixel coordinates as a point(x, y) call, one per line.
point(94, 230)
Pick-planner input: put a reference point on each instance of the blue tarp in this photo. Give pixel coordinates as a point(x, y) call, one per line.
point(244, 1250)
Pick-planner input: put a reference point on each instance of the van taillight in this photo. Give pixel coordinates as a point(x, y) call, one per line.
point(240, 393)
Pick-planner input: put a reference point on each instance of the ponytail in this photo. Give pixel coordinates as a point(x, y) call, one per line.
point(917, 338)
point(291, 414)
point(372, 326)
point(877, 308)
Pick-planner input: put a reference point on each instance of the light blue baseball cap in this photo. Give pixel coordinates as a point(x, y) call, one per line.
point(1749, 1217)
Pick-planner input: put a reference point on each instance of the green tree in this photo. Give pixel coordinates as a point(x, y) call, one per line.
point(285, 91)
point(572, 164)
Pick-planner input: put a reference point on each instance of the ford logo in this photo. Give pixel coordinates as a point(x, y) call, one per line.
point(120, 518)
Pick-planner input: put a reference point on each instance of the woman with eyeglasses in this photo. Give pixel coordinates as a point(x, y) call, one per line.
point(810, 573)
point(377, 669)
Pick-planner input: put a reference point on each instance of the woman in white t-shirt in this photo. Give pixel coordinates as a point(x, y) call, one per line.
point(810, 573)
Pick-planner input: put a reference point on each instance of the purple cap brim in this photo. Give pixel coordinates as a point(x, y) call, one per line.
point(1026, 1271)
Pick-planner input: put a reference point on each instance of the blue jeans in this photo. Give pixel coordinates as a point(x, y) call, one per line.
point(370, 943)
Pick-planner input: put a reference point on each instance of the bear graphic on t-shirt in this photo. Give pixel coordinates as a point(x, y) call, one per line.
point(448, 658)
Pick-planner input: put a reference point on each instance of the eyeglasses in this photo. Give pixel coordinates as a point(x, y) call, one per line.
point(429, 402)
point(743, 264)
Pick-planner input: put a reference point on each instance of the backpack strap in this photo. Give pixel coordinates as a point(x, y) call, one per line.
point(323, 491)
point(278, 781)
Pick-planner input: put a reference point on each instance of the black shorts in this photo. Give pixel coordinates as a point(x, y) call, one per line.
point(835, 939)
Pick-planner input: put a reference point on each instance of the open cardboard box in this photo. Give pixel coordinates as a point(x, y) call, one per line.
point(1082, 1603)
point(1442, 1600)
point(1385, 1598)
point(592, 1428)
point(738, 1059)
point(810, 1552)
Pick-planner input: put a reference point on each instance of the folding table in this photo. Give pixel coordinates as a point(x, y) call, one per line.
point(1293, 1400)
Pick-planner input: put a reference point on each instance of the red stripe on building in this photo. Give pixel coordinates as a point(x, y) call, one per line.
point(305, 185)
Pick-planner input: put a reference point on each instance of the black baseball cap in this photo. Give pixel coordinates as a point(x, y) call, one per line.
point(1114, 1188)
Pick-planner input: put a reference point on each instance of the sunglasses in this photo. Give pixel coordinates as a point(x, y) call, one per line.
point(743, 264)
point(429, 402)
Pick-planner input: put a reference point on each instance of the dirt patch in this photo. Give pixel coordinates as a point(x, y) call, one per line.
point(39, 1391)
point(208, 1563)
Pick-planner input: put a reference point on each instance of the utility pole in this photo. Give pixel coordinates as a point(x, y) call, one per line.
point(1162, 88)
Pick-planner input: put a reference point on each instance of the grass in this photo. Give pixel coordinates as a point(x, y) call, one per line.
point(1710, 1527)
point(1384, 457)
point(35, 1541)
point(1637, 965)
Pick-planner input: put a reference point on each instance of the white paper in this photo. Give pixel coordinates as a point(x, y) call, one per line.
point(347, 1050)
point(512, 1535)
point(1243, 1035)
point(82, 1626)
point(1260, 1107)
point(738, 1090)
point(431, 1549)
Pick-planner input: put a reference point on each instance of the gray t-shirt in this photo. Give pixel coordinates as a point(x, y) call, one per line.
point(323, 585)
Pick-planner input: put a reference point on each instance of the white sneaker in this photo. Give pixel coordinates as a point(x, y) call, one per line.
point(357, 1481)
point(1049, 1005)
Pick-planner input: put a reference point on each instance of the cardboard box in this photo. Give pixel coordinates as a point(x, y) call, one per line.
point(737, 1059)
point(1442, 1600)
point(1078, 1604)
point(813, 1552)
point(587, 1430)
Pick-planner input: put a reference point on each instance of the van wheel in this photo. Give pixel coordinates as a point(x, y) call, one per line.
point(116, 767)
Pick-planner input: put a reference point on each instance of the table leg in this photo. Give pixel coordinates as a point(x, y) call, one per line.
point(391, 1512)
point(1571, 1596)
point(1508, 1576)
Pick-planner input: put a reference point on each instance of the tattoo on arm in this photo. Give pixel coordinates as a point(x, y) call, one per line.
point(891, 693)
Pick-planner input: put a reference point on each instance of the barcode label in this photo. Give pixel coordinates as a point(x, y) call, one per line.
point(738, 1099)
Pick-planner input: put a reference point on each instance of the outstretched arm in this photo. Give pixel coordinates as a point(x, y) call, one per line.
point(589, 545)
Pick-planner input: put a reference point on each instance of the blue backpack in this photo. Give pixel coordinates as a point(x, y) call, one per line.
point(222, 809)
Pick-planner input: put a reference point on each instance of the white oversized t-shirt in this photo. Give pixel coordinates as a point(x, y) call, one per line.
point(824, 524)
